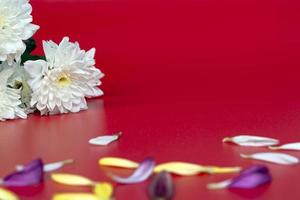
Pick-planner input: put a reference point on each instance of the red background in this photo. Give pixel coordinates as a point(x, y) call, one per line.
point(180, 76)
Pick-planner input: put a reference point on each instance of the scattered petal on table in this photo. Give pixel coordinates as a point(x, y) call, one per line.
point(223, 170)
point(72, 179)
point(190, 169)
point(161, 187)
point(219, 185)
point(290, 146)
point(254, 141)
point(181, 168)
point(178, 168)
point(278, 158)
point(105, 140)
point(104, 191)
point(7, 195)
point(118, 162)
point(75, 196)
point(250, 178)
point(56, 165)
point(143, 172)
point(31, 174)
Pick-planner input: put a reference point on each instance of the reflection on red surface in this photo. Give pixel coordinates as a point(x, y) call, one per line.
point(28, 192)
point(251, 195)
point(180, 76)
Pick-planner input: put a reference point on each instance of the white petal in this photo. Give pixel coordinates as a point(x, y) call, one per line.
point(35, 69)
point(9, 97)
point(254, 141)
point(29, 31)
point(56, 165)
point(289, 146)
point(105, 140)
point(219, 185)
point(4, 75)
point(278, 158)
point(15, 28)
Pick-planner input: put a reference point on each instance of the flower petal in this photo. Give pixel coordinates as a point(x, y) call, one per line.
point(72, 179)
point(75, 196)
point(31, 174)
point(219, 185)
point(143, 172)
point(105, 140)
point(118, 162)
point(7, 195)
point(178, 168)
point(278, 158)
point(181, 168)
point(223, 170)
point(161, 187)
point(250, 178)
point(190, 169)
point(56, 165)
point(254, 141)
point(103, 191)
point(289, 146)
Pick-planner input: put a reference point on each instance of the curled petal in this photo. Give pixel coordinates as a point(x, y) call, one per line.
point(72, 179)
point(254, 141)
point(161, 187)
point(291, 146)
point(250, 178)
point(143, 172)
point(30, 174)
point(7, 195)
point(105, 140)
point(278, 158)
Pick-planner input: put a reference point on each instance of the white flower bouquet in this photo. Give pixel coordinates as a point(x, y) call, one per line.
point(56, 83)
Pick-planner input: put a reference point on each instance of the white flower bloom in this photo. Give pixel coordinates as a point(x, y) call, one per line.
point(61, 83)
point(9, 97)
point(15, 27)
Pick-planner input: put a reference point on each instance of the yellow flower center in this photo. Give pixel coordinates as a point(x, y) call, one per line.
point(64, 80)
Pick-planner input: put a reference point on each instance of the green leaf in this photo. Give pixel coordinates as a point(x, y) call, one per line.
point(30, 46)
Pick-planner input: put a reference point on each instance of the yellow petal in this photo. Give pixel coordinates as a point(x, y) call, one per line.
point(190, 169)
point(118, 162)
point(75, 196)
point(7, 195)
point(180, 168)
point(104, 191)
point(72, 179)
point(223, 170)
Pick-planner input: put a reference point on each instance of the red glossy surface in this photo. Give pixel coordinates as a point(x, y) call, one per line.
point(180, 76)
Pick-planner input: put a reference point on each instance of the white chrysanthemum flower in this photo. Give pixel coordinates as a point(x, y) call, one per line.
point(9, 97)
point(15, 27)
point(61, 83)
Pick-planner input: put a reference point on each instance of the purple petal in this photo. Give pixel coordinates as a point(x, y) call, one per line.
point(252, 177)
point(255, 169)
point(31, 174)
point(161, 187)
point(139, 175)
